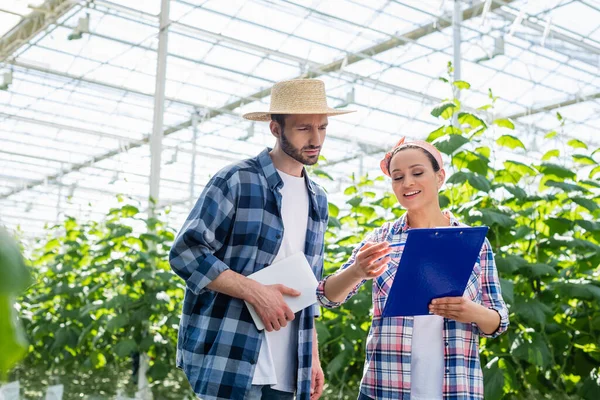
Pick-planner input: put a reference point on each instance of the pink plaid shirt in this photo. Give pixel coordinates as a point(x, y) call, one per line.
point(387, 373)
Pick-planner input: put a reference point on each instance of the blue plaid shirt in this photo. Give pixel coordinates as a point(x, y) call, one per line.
point(236, 224)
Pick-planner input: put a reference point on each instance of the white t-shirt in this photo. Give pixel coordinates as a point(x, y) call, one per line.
point(277, 360)
point(427, 358)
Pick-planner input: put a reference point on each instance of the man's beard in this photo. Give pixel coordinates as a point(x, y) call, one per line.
point(296, 154)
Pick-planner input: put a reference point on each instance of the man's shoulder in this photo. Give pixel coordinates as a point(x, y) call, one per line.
point(239, 172)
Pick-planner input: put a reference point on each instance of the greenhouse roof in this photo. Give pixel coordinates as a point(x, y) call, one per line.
point(78, 81)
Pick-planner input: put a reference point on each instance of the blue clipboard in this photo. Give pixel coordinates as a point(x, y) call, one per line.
point(436, 262)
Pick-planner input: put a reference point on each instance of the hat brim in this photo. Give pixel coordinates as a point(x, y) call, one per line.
point(266, 116)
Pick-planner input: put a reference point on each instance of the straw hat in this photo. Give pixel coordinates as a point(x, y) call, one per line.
point(297, 96)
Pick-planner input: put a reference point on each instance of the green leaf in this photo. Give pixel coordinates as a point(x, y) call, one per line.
point(333, 209)
point(355, 201)
point(583, 159)
point(532, 310)
point(589, 226)
point(550, 154)
point(558, 226)
point(322, 174)
point(480, 183)
point(577, 144)
point(590, 184)
point(125, 347)
point(475, 162)
point(97, 359)
point(519, 167)
point(493, 381)
point(445, 110)
point(458, 177)
point(14, 344)
point(159, 371)
point(492, 217)
point(516, 191)
point(117, 322)
point(471, 120)
point(588, 204)
point(594, 172)
point(14, 276)
point(449, 144)
point(510, 263)
point(338, 362)
point(510, 141)
point(334, 223)
point(350, 190)
point(567, 187)
point(590, 390)
point(550, 135)
point(535, 351)
point(555, 170)
point(461, 84)
point(504, 123)
point(439, 132)
point(538, 270)
point(508, 292)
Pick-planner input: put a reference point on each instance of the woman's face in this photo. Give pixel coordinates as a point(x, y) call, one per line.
point(414, 181)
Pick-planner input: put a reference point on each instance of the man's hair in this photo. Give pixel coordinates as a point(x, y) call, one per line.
point(280, 119)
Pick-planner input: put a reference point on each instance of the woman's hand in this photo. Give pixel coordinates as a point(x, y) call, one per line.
point(459, 309)
point(371, 260)
point(465, 310)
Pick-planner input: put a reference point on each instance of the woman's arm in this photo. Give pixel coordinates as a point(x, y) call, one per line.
point(368, 261)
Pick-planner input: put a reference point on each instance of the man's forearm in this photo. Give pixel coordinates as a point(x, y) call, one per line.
point(235, 285)
point(315, 346)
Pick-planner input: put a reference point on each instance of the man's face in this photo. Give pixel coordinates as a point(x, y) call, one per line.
point(303, 136)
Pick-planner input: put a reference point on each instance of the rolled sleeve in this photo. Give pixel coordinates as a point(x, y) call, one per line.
point(203, 234)
point(323, 300)
point(491, 290)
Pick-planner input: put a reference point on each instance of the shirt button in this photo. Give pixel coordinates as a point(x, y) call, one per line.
point(446, 343)
point(447, 370)
point(278, 236)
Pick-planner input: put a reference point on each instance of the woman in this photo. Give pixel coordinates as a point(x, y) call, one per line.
point(423, 357)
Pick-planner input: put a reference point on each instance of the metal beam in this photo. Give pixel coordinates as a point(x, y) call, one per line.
point(553, 33)
point(334, 66)
point(32, 24)
point(156, 139)
point(550, 107)
point(82, 78)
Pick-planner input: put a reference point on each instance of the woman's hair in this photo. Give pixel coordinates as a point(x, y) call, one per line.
point(434, 163)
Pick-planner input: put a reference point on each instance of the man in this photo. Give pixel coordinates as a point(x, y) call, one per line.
point(252, 214)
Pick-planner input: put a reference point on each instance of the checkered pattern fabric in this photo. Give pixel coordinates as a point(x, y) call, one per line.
point(236, 225)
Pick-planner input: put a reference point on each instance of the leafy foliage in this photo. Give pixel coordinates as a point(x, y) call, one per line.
point(104, 292)
point(542, 217)
point(14, 278)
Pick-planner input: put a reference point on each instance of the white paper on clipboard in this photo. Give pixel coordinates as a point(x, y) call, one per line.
point(293, 272)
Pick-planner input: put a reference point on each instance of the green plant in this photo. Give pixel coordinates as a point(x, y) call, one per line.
point(14, 278)
point(104, 293)
point(543, 219)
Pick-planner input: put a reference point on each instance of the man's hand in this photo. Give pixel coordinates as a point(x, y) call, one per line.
point(270, 305)
point(317, 378)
